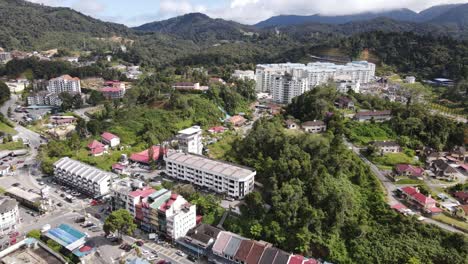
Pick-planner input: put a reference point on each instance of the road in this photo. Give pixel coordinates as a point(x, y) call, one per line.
point(390, 187)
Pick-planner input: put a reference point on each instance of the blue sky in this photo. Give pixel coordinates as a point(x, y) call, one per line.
point(137, 12)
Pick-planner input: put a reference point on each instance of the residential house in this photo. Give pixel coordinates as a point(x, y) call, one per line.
point(384, 147)
point(110, 139)
point(461, 196)
point(119, 168)
point(217, 130)
point(237, 120)
point(96, 148)
point(112, 93)
point(425, 203)
point(290, 124)
point(345, 103)
point(462, 212)
point(144, 156)
point(409, 171)
point(378, 116)
point(217, 80)
point(189, 86)
point(314, 126)
point(442, 170)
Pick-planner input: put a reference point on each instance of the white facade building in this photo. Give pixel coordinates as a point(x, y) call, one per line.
point(190, 140)
point(9, 215)
point(244, 75)
point(83, 177)
point(5, 57)
point(316, 73)
point(286, 87)
point(222, 177)
point(44, 98)
point(345, 86)
point(180, 216)
point(64, 84)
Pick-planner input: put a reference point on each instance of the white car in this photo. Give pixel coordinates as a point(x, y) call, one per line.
point(151, 258)
point(144, 251)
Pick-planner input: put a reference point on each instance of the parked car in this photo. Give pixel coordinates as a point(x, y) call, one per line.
point(152, 257)
point(16, 184)
point(59, 204)
point(180, 253)
point(139, 243)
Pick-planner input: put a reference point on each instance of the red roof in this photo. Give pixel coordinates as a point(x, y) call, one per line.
point(95, 144)
point(464, 166)
point(85, 249)
point(111, 90)
point(461, 195)
point(398, 207)
point(409, 190)
point(217, 129)
point(435, 210)
point(108, 136)
point(118, 166)
point(296, 259)
point(311, 261)
point(97, 150)
point(421, 198)
point(142, 192)
point(414, 171)
point(143, 157)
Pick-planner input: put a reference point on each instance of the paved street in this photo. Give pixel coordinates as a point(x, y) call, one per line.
point(390, 187)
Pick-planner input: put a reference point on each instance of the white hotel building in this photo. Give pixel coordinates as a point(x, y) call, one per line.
point(190, 140)
point(9, 215)
point(84, 178)
point(64, 84)
point(222, 177)
point(305, 77)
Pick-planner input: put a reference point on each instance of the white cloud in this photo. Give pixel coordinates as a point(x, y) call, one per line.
point(170, 8)
point(252, 11)
point(88, 6)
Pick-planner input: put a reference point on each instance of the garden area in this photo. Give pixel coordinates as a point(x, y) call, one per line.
point(389, 160)
point(362, 134)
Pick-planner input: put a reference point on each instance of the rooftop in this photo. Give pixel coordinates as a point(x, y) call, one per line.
point(108, 136)
point(7, 204)
point(190, 130)
point(18, 192)
point(203, 163)
point(67, 236)
point(374, 113)
point(143, 157)
point(40, 254)
point(84, 170)
point(313, 123)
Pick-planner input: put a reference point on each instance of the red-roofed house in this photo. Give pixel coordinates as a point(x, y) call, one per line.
point(110, 139)
point(409, 171)
point(97, 148)
point(143, 157)
point(237, 120)
point(217, 129)
point(119, 168)
point(425, 203)
point(462, 197)
point(296, 259)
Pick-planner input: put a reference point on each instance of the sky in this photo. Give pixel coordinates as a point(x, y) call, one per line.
point(137, 12)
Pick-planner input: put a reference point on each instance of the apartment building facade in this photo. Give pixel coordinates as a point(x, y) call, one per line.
point(64, 84)
point(221, 177)
point(313, 74)
point(9, 215)
point(286, 87)
point(244, 75)
point(190, 140)
point(83, 177)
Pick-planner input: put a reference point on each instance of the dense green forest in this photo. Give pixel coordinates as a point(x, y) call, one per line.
point(324, 202)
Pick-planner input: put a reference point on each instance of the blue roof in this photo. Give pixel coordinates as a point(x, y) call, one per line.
point(65, 235)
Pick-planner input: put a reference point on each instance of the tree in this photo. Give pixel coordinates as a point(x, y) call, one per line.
point(120, 221)
point(54, 245)
point(4, 92)
point(35, 233)
point(77, 101)
point(96, 98)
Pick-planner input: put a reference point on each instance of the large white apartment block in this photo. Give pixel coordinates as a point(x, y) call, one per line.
point(286, 87)
point(219, 176)
point(85, 178)
point(9, 215)
point(244, 75)
point(64, 84)
point(190, 140)
point(316, 73)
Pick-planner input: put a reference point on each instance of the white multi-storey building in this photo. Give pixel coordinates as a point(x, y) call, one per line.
point(315, 73)
point(222, 177)
point(83, 177)
point(176, 216)
point(190, 140)
point(5, 57)
point(64, 84)
point(244, 75)
point(286, 87)
point(9, 215)
point(44, 98)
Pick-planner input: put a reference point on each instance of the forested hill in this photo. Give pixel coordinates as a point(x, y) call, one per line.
point(23, 24)
point(199, 27)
